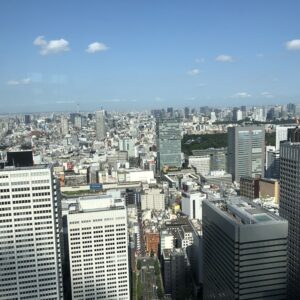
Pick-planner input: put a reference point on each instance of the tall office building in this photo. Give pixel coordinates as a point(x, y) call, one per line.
point(98, 248)
point(245, 250)
point(27, 119)
point(30, 239)
point(289, 208)
point(100, 125)
point(246, 151)
point(174, 269)
point(168, 133)
point(64, 126)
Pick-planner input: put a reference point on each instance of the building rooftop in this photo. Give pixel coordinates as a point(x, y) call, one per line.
point(96, 203)
point(36, 167)
point(244, 211)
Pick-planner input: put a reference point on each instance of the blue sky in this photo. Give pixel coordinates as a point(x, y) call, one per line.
point(134, 55)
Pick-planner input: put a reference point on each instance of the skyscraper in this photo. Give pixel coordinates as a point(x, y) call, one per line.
point(100, 125)
point(98, 248)
point(64, 126)
point(246, 151)
point(289, 208)
point(245, 250)
point(30, 239)
point(168, 133)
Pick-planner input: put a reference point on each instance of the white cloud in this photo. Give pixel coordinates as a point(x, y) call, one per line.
point(96, 47)
point(201, 84)
point(241, 95)
point(267, 95)
point(260, 55)
point(19, 82)
point(293, 45)
point(193, 72)
point(52, 46)
point(224, 58)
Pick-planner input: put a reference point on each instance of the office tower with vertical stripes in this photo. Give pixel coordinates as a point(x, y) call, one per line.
point(245, 251)
point(246, 151)
point(289, 208)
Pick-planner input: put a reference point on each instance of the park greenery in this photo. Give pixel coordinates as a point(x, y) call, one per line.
point(192, 142)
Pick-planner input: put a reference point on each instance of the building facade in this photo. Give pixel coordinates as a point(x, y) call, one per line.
point(30, 234)
point(246, 151)
point(153, 198)
point(100, 125)
point(289, 208)
point(249, 187)
point(98, 248)
point(245, 250)
point(168, 134)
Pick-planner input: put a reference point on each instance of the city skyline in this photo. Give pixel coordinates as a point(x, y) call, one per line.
point(142, 55)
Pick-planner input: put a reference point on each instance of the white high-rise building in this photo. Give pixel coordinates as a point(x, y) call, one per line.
point(30, 234)
point(191, 204)
point(153, 198)
point(98, 248)
point(281, 135)
point(100, 125)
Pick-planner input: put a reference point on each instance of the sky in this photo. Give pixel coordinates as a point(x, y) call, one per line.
point(141, 54)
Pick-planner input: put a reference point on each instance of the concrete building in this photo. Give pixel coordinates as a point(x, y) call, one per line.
point(272, 162)
point(289, 208)
point(166, 240)
point(245, 250)
point(201, 164)
point(98, 248)
point(218, 157)
point(217, 178)
point(269, 188)
point(30, 234)
point(168, 134)
point(185, 234)
point(127, 145)
point(246, 151)
point(191, 204)
point(249, 187)
point(153, 198)
point(100, 125)
point(282, 135)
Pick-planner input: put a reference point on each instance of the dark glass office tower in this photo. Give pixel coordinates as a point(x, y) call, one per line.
point(245, 251)
point(289, 208)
